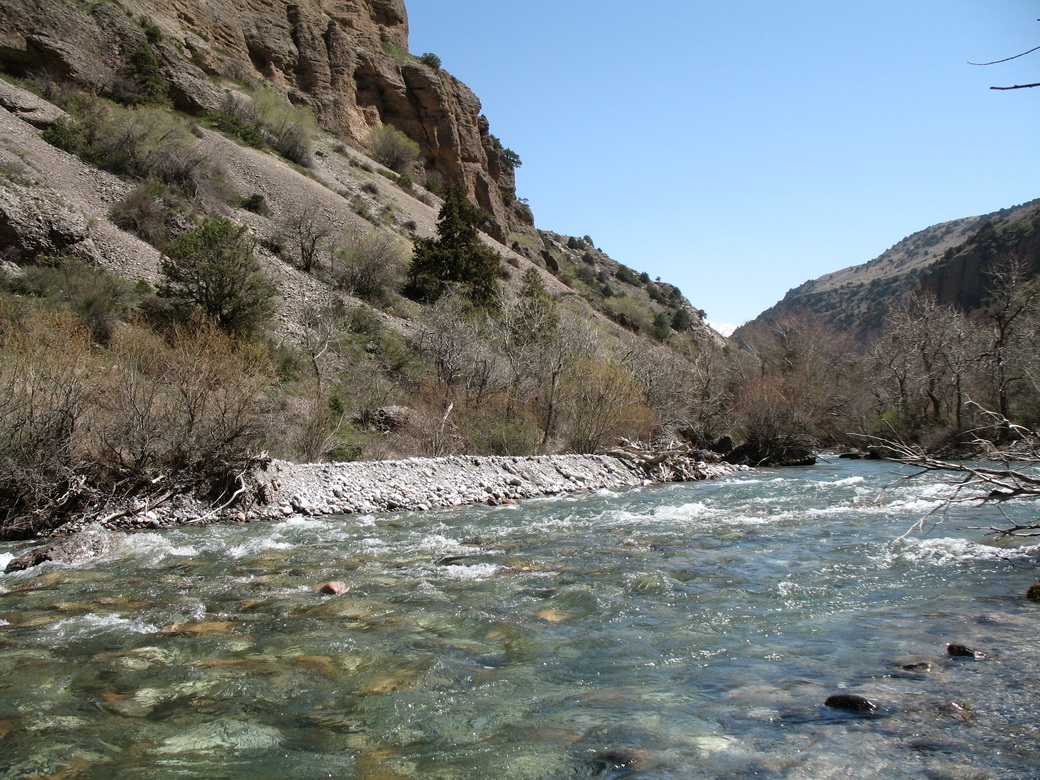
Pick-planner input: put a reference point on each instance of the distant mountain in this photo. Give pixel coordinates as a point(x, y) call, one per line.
point(949, 258)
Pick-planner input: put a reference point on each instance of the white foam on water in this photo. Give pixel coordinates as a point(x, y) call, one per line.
point(302, 521)
point(439, 543)
point(258, 545)
point(948, 551)
point(547, 523)
point(373, 544)
point(689, 511)
point(157, 546)
point(5, 558)
point(847, 481)
point(754, 519)
point(89, 626)
point(476, 572)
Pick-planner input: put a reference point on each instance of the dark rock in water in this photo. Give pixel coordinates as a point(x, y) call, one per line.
point(920, 666)
point(72, 550)
point(1033, 594)
point(880, 452)
point(962, 651)
point(851, 456)
point(850, 702)
point(752, 455)
point(461, 560)
point(630, 759)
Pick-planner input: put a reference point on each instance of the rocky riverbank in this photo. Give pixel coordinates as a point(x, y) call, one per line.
point(422, 484)
point(285, 489)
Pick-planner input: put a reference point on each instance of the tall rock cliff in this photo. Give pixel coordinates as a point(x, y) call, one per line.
point(346, 59)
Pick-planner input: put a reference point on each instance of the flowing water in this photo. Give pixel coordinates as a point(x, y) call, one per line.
point(677, 631)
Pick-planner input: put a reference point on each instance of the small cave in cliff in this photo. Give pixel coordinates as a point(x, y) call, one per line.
point(260, 60)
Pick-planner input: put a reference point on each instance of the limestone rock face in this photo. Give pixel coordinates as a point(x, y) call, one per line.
point(346, 59)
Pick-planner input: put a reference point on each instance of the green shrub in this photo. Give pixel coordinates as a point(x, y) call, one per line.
point(139, 142)
point(660, 329)
point(212, 270)
point(456, 257)
point(288, 129)
point(626, 275)
point(681, 320)
point(97, 298)
point(432, 60)
point(64, 134)
point(239, 128)
point(255, 203)
point(149, 84)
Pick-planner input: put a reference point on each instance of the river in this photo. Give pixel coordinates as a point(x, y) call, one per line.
point(676, 631)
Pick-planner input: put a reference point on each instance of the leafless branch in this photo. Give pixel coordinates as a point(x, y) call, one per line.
point(1007, 59)
point(976, 483)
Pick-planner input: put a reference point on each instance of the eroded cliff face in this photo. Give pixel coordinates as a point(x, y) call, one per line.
point(346, 59)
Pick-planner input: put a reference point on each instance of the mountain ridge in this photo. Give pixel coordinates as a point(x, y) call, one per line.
point(856, 298)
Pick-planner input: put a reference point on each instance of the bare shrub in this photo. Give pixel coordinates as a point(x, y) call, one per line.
point(45, 392)
point(151, 210)
point(776, 428)
point(373, 267)
point(602, 402)
point(462, 360)
point(497, 428)
point(192, 412)
point(392, 148)
point(308, 230)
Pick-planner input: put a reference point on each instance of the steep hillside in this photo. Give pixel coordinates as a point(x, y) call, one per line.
point(347, 60)
point(950, 258)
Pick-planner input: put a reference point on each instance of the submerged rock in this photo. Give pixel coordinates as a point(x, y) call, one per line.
point(608, 762)
point(72, 550)
point(850, 702)
point(962, 651)
point(334, 588)
point(222, 735)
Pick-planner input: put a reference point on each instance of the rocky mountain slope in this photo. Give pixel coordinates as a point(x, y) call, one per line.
point(347, 63)
point(347, 60)
point(949, 259)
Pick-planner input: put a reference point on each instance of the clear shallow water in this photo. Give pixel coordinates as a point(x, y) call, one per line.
point(680, 631)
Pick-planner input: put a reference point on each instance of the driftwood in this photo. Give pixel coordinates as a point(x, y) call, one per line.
point(675, 463)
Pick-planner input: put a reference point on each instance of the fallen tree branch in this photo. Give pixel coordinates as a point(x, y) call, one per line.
point(240, 478)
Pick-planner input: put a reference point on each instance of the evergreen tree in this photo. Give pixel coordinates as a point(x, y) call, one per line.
point(213, 269)
point(456, 257)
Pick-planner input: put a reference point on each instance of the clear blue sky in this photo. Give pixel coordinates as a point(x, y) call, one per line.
point(737, 149)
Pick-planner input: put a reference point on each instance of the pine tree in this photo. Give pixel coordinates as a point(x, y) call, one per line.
point(456, 257)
